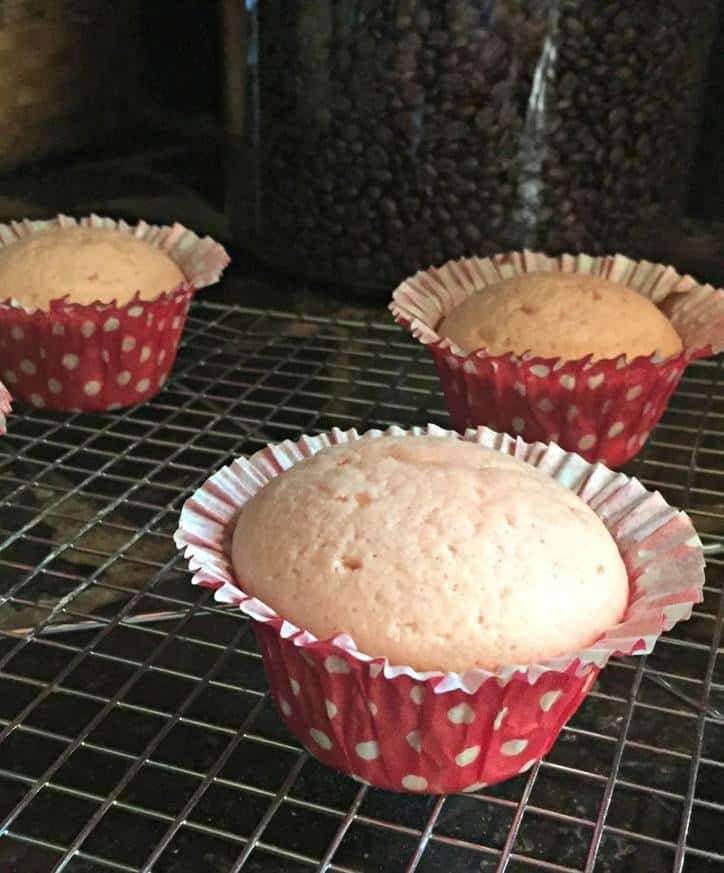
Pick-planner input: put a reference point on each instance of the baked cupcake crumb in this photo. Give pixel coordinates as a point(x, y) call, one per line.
point(86, 264)
point(561, 315)
point(438, 554)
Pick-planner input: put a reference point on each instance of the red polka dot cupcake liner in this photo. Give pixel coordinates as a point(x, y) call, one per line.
point(603, 409)
point(405, 730)
point(101, 356)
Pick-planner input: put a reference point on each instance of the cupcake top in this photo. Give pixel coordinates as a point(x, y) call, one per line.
point(438, 554)
point(87, 264)
point(561, 315)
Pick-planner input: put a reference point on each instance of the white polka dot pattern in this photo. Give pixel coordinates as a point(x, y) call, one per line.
point(545, 405)
point(335, 664)
point(123, 378)
point(417, 694)
point(285, 707)
point(476, 786)
point(369, 750)
point(331, 708)
point(111, 324)
point(414, 783)
point(587, 442)
point(18, 334)
point(548, 700)
point(540, 370)
point(70, 361)
point(295, 686)
point(461, 714)
point(54, 386)
point(414, 740)
point(128, 344)
point(28, 367)
point(467, 756)
point(499, 718)
point(510, 748)
point(595, 381)
point(320, 738)
point(92, 388)
point(37, 400)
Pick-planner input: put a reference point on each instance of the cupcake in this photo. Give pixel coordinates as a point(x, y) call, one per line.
point(580, 351)
point(431, 610)
point(92, 311)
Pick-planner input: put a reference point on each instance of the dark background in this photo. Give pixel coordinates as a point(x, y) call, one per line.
point(159, 149)
point(183, 52)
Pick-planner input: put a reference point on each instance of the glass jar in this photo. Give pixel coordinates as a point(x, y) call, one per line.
point(383, 136)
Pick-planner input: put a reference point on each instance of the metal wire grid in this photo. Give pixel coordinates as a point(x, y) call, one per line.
point(136, 731)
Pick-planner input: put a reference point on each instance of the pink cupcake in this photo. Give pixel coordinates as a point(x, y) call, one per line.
point(91, 312)
point(602, 405)
point(395, 721)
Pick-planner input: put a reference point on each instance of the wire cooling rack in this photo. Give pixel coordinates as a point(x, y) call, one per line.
point(136, 730)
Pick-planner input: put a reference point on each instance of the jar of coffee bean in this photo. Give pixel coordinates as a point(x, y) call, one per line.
point(384, 136)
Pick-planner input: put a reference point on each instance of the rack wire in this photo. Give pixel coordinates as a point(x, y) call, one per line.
point(136, 729)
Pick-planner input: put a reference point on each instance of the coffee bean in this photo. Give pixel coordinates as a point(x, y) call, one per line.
point(472, 235)
point(422, 20)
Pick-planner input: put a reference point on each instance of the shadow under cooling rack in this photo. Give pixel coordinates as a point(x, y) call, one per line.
point(136, 731)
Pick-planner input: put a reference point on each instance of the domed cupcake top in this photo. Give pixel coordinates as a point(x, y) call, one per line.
point(438, 554)
point(88, 264)
point(566, 315)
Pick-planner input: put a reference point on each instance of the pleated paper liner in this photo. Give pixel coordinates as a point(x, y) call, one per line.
point(5, 407)
point(101, 356)
point(604, 409)
point(405, 730)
